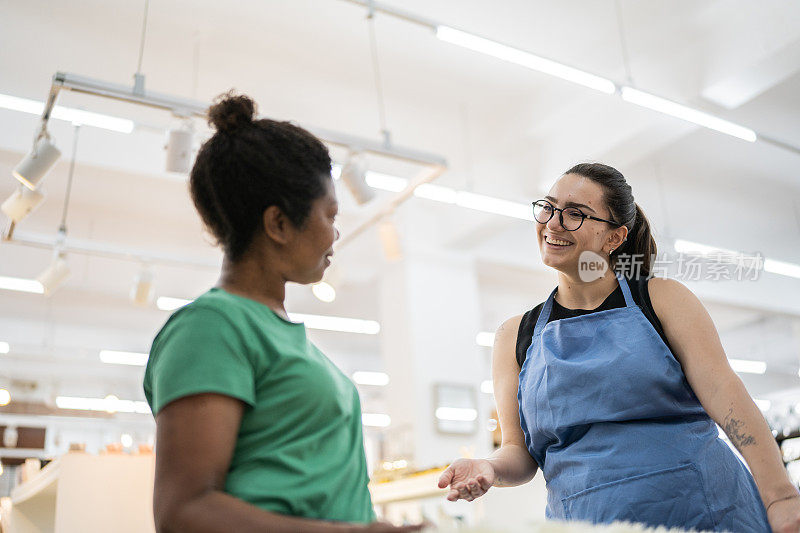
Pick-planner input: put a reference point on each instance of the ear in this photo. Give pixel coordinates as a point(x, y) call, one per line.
point(276, 225)
point(617, 237)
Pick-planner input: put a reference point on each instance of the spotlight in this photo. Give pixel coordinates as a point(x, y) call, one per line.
point(179, 148)
point(324, 291)
point(55, 274)
point(35, 165)
point(21, 203)
point(142, 290)
point(354, 174)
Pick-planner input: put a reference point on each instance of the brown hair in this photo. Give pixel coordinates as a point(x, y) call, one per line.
point(618, 196)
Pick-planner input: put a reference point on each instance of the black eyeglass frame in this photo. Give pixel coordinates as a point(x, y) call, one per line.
point(560, 210)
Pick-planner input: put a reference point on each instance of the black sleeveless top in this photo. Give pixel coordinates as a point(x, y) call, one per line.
point(641, 297)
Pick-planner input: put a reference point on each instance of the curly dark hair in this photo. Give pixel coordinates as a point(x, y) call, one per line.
point(249, 165)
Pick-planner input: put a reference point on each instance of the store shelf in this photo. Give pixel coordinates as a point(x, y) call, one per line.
point(84, 493)
point(415, 486)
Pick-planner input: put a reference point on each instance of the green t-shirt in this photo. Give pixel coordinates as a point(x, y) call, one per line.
point(299, 450)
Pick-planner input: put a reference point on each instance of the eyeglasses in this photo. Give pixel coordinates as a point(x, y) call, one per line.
point(571, 218)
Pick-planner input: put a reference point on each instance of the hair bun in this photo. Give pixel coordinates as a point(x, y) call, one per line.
point(231, 111)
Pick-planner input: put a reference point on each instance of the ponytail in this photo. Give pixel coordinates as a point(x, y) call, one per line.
point(639, 247)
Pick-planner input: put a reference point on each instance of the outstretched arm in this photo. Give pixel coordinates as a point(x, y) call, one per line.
point(696, 345)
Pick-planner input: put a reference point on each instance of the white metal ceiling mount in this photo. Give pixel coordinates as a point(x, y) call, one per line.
point(185, 107)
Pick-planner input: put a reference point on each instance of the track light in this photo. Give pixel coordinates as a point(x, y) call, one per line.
point(142, 290)
point(35, 165)
point(354, 174)
point(55, 274)
point(179, 148)
point(21, 203)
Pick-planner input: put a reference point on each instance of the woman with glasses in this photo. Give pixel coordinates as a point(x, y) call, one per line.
point(613, 385)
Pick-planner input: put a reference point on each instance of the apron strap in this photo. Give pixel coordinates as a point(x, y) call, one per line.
point(544, 315)
point(626, 290)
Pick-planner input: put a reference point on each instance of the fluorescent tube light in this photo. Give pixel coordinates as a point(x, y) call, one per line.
point(689, 247)
point(459, 414)
point(487, 387)
point(385, 182)
point(378, 379)
point(21, 285)
point(763, 405)
point(376, 420)
point(327, 323)
point(123, 358)
point(335, 323)
point(524, 59)
point(166, 303)
point(770, 265)
point(108, 404)
point(782, 268)
point(497, 206)
point(4, 347)
point(688, 114)
point(748, 367)
point(437, 193)
point(76, 116)
point(485, 338)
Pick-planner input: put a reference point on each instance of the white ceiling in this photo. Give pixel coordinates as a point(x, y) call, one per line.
point(505, 131)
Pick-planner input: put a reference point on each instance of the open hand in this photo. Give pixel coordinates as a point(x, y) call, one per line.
point(468, 479)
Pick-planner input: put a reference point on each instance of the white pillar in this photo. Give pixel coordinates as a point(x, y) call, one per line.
point(430, 315)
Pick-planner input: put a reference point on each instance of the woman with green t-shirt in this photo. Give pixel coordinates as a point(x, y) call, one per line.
point(256, 429)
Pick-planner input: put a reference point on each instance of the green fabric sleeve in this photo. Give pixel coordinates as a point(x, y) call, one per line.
point(200, 351)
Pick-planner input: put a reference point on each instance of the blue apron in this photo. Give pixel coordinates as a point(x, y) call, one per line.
point(619, 434)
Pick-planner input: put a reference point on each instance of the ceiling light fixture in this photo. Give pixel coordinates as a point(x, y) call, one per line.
point(772, 266)
point(5, 397)
point(4, 347)
point(688, 114)
point(109, 404)
point(335, 323)
point(377, 420)
point(744, 366)
point(179, 148)
point(353, 175)
point(324, 291)
point(21, 203)
point(36, 163)
point(523, 58)
point(485, 338)
point(21, 285)
point(114, 357)
point(142, 290)
point(167, 303)
point(87, 118)
point(377, 379)
point(322, 322)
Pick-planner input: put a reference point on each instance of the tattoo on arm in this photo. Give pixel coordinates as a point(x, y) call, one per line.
point(734, 428)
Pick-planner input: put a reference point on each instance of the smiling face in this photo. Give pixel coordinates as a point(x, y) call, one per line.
point(561, 249)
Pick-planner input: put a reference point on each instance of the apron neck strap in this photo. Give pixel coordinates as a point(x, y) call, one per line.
point(544, 315)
